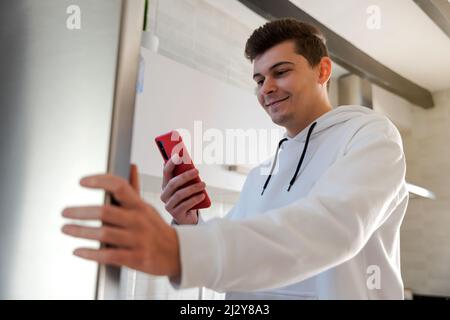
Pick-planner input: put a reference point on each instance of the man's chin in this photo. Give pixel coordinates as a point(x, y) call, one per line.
point(279, 120)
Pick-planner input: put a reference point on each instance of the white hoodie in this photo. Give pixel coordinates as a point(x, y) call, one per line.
point(334, 235)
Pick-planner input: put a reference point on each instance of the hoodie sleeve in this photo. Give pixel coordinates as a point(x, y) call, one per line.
point(326, 228)
point(199, 220)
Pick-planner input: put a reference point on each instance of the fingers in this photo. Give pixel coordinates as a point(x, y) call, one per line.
point(175, 183)
point(116, 257)
point(108, 214)
point(187, 205)
point(168, 169)
point(120, 188)
point(134, 178)
point(183, 194)
point(106, 235)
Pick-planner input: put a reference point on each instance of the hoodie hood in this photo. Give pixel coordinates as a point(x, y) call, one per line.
point(336, 116)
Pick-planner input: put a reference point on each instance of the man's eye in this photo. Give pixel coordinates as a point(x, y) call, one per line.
point(281, 72)
point(259, 82)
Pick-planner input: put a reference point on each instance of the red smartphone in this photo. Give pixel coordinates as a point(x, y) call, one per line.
point(171, 143)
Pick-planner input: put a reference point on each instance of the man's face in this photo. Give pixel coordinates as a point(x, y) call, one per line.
point(287, 86)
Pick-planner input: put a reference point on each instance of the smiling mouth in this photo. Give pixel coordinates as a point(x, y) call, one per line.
point(272, 103)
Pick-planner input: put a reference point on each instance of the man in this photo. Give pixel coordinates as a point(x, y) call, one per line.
point(323, 225)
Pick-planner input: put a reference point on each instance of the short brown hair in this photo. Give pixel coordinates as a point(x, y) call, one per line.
point(309, 40)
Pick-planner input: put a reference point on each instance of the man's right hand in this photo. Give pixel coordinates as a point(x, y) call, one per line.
point(178, 200)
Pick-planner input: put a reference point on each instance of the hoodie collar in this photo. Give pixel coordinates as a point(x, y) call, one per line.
point(335, 116)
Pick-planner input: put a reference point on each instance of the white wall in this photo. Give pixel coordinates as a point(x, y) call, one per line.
point(396, 108)
point(177, 96)
point(425, 232)
point(426, 228)
point(207, 35)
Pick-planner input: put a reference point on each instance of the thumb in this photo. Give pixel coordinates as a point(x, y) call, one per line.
point(134, 178)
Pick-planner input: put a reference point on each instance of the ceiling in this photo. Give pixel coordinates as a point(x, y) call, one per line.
point(253, 21)
point(408, 41)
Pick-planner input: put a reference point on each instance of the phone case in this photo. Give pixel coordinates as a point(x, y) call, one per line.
point(170, 143)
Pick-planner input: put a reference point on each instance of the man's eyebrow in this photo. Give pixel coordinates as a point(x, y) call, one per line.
point(273, 67)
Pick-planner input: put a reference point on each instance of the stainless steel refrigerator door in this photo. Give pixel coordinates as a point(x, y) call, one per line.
point(65, 113)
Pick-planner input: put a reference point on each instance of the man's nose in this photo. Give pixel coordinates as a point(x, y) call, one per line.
point(269, 86)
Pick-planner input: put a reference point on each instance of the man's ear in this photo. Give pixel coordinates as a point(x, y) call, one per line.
point(325, 68)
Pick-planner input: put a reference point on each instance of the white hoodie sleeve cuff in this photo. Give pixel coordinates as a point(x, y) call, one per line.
point(199, 221)
point(200, 256)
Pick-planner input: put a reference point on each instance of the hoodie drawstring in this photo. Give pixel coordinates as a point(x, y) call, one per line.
point(273, 165)
point(299, 162)
point(302, 157)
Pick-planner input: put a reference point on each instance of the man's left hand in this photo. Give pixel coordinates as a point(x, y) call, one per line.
point(135, 234)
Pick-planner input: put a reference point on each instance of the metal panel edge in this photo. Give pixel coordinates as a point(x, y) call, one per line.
point(132, 19)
